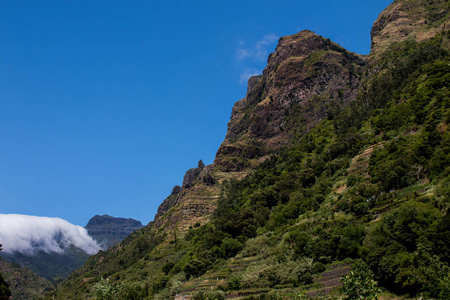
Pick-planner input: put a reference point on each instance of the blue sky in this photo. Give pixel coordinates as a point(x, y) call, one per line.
point(104, 105)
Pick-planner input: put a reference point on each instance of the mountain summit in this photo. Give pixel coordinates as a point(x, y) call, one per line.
point(109, 231)
point(306, 74)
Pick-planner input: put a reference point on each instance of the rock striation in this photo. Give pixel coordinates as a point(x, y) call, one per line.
point(409, 20)
point(109, 231)
point(306, 74)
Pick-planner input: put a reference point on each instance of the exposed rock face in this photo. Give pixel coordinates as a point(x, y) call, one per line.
point(190, 202)
point(305, 77)
point(403, 20)
point(192, 174)
point(109, 231)
point(305, 74)
point(168, 202)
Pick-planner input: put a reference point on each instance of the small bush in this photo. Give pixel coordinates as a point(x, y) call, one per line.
point(360, 284)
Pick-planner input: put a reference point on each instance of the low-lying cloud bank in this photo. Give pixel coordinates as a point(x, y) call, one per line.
point(28, 234)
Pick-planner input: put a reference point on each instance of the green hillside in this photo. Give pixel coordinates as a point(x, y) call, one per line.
point(357, 178)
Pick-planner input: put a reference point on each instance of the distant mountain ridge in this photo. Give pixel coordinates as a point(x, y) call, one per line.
point(33, 272)
point(109, 231)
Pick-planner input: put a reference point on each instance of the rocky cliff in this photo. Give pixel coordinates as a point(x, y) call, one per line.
point(410, 20)
point(306, 74)
point(109, 231)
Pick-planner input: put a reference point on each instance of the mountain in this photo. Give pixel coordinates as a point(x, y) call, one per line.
point(53, 248)
point(332, 162)
point(50, 247)
point(109, 231)
point(306, 74)
point(53, 266)
point(24, 284)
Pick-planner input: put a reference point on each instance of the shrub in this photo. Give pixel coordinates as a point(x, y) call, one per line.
point(104, 290)
point(5, 292)
point(360, 284)
point(230, 247)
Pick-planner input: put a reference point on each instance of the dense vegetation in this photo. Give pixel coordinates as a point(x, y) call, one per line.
point(401, 117)
point(5, 292)
point(369, 184)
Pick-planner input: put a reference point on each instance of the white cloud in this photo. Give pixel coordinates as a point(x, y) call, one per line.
point(247, 74)
point(260, 50)
point(261, 46)
point(28, 234)
point(242, 53)
point(251, 58)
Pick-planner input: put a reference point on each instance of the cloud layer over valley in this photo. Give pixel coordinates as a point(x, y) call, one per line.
point(28, 234)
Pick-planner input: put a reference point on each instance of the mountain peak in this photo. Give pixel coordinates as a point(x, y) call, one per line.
point(106, 219)
point(301, 44)
point(306, 73)
point(108, 230)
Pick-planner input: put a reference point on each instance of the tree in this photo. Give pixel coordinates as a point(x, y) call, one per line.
point(5, 292)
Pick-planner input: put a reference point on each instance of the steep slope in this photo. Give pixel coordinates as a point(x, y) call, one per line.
point(54, 266)
point(330, 158)
point(109, 231)
point(24, 284)
point(409, 20)
point(306, 74)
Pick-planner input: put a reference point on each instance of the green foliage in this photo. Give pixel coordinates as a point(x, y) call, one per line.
point(5, 292)
point(350, 239)
point(208, 295)
point(396, 249)
point(300, 241)
point(159, 284)
point(360, 284)
point(431, 274)
point(230, 247)
point(167, 267)
point(233, 283)
point(104, 290)
point(196, 267)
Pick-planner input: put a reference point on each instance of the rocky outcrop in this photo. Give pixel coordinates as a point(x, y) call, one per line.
point(190, 201)
point(109, 231)
point(304, 75)
point(409, 20)
point(192, 174)
point(168, 203)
